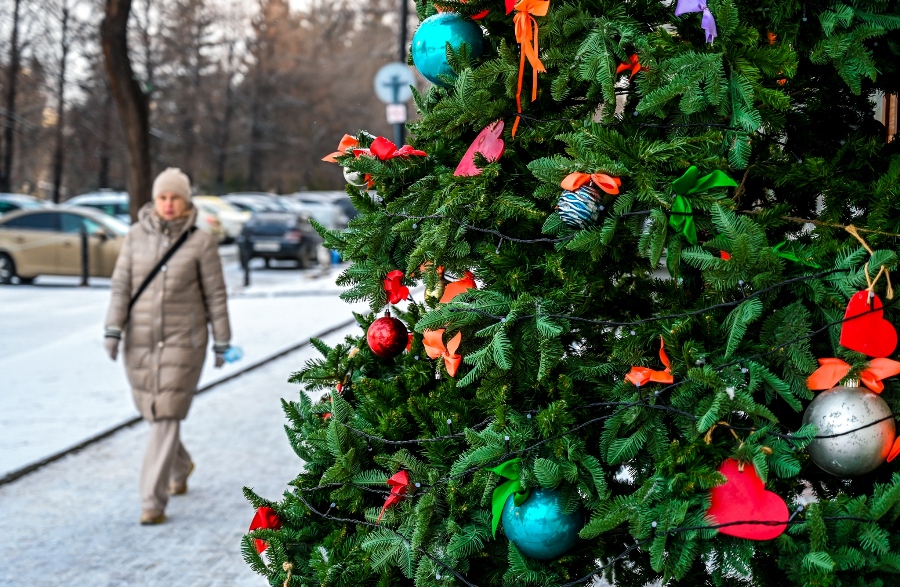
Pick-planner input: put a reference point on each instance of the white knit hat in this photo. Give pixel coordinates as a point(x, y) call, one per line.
point(172, 180)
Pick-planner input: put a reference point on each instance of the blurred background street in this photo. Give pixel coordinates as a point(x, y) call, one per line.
point(60, 387)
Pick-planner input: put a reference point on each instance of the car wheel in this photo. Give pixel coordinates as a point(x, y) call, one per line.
point(7, 269)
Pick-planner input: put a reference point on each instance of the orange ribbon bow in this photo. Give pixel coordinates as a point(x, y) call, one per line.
point(833, 370)
point(348, 142)
point(527, 38)
point(642, 375)
point(399, 482)
point(457, 287)
point(434, 346)
point(634, 64)
point(607, 183)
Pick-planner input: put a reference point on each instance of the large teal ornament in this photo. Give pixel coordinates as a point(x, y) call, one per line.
point(429, 44)
point(538, 527)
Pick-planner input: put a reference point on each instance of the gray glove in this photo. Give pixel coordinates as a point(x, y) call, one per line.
point(111, 343)
point(220, 360)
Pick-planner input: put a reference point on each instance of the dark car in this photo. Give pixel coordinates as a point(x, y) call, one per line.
point(274, 231)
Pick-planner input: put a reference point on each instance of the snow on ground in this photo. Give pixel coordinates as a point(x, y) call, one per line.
point(58, 387)
point(75, 521)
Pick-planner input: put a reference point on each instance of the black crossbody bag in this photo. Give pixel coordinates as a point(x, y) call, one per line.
point(165, 259)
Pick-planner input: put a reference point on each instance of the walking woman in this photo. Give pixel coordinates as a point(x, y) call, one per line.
point(167, 288)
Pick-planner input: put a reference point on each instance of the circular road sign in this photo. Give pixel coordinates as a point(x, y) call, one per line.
point(392, 83)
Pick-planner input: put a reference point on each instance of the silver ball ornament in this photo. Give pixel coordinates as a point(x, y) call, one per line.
point(354, 178)
point(839, 410)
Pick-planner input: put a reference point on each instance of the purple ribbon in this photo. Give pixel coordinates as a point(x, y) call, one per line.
point(708, 23)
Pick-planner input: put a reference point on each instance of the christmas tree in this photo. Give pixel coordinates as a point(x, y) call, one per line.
point(638, 226)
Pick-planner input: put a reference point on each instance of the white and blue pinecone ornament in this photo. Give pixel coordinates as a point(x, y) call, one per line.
point(580, 208)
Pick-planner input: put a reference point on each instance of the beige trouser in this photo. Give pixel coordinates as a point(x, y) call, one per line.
point(165, 460)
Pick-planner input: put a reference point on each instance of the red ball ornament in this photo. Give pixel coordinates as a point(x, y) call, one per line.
point(387, 337)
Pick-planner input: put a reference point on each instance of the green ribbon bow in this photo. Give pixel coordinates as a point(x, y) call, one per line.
point(682, 215)
point(792, 256)
point(512, 470)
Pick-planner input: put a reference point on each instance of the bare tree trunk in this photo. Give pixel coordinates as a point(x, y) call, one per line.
point(103, 173)
point(11, 77)
point(61, 107)
point(131, 101)
point(225, 126)
point(255, 139)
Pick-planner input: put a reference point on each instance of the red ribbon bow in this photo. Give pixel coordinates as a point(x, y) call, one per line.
point(642, 375)
point(399, 482)
point(385, 149)
point(434, 346)
point(634, 64)
point(451, 290)
point(264, 519)
point(833, 370)
point(394, 287)
point(607, 183)
point(527, 38)
point(477, 15)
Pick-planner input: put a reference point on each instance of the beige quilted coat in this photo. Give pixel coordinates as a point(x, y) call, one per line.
point(165, 339)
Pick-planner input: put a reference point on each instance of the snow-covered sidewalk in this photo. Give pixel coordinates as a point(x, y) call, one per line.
point(57, 387)
point(75, 521)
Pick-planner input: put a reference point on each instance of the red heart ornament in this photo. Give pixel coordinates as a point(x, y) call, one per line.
point(743, 498)
point(488, 143)
point(870, 333)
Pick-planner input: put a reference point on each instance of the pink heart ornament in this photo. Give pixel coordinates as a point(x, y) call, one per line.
point(488, 143)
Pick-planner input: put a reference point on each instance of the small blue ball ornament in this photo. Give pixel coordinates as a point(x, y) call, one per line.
point(538, 527)
point(579, 208)
point(429, 44)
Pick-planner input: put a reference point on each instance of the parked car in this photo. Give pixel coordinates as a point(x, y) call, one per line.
point(110, 202)
point(254, 202)
point(323, 211)
point(274, 231)
point(48, 242)
point(12, 202)
point(116, 204)
point(231, 218)
point(339, 199)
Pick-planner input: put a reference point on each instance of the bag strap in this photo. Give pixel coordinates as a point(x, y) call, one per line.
point(165, 258)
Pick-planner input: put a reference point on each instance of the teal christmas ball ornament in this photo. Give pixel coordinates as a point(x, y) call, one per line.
point(429, 43)
point(538, 527)
point(579, 208)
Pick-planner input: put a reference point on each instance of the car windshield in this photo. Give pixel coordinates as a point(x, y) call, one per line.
point(216, 204)
point(266, 206)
